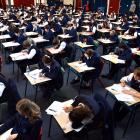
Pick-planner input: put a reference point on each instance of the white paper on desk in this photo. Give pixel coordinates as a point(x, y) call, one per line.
point(124, 97)
point(5, 135)
point(80, 64)
point(2, 87)
point(35, 73)
point(55, 108)
point(121, 61)
point(119, 88)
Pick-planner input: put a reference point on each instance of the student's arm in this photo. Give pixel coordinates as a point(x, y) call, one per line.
point(127, 79)
point(7, 125)
point(132, 92)
point(31, 54)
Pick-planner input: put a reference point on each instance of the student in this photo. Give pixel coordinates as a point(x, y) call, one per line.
point(51, 69)
point(29, 26)
point(34, 56)
point(91, 111)
point(92, 59)
point(133, 80)
point(26, 123)
point(48, 34)
point(124, 53)
point(9, 95)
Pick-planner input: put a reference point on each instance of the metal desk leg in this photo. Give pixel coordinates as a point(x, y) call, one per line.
point(50, 124)
point(130, 116)
point(26, 88)
point(68, 76)
point(13, 68)
point(36, 92)
point(81, 81)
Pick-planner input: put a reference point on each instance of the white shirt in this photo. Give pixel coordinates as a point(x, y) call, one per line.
point(2, 87)
point(128, 78)
point(94, 29)
point(62, 46)
point(32, 54)
point(132, 7)
point(135, 34)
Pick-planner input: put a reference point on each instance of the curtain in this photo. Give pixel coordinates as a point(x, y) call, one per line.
point(114, 6)
point(78, 3)
point(26, 3)
point(3, 4)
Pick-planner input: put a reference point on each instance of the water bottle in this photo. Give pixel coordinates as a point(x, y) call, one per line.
point(27, 69)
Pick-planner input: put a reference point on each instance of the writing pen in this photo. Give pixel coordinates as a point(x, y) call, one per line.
point(52, 110)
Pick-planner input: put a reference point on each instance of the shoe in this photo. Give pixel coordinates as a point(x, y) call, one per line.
point(74, 81)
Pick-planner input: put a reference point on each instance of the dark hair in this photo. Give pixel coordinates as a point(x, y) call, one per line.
point(137, 71)
point(89, 52)
point(79, 114)
point(47, 59)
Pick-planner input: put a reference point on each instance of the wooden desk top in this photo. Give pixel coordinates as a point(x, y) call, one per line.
point(80, 67)
point(34, 78)
point(127, 37)
point(10, 44)
point(82, 45)
point(52, 50)
point(105, 41)
point(135, 27)
point(113, 58)
point(116, 23)
point(39, 39)
point(60, 115)
point(7, 36)
point(19, 56)
point(31, 33)
point(103, 30)
point(135, 51)
point(86, 33)
point(119, 91)
point(65, 36)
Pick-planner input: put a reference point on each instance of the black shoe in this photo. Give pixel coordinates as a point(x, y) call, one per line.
point(74, 81)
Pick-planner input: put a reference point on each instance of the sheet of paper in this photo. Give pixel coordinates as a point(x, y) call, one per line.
point(119, 88)
point(35, 73)
point(5, 135)
point(2, 87)
point(125, 97)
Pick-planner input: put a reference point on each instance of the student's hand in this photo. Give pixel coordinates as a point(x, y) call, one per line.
point(123, 83)
point(68, 108)
point(41, 74)
point(12, 137)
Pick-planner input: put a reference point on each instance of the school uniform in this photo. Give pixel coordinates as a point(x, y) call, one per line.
point(29, 27)
point(58, 29)
point(55, 74)
point(9, 95)
point(34, 57)
point(64, 20)
point(23, 127)
point(38, 30)
point(49, 35)
point(93, 61)
point(126, 55)
point(72, 32)
point(102, 115)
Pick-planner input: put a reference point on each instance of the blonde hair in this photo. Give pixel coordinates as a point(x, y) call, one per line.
point(29, 108)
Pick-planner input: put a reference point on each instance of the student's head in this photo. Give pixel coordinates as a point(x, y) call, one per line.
point(89, 53)
point(123, 46)
point(28, 109)
point(113, 33)
point(137, 74)
point(27, 43)
point(47, 60)
point(79, 113)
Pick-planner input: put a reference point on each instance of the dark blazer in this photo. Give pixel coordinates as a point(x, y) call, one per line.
point(10, 95)
point(55, 74)
point(22, 126)
point(102, 113)
point(29, 27)
point(20, 39)
point(73, 33)
point(49, 36)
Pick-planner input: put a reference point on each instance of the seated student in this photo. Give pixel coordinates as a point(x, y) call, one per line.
point(92, 59)
point(136, 58)
point(51, 69)
point(65, 19)
point(124, 53)
point(125, 24)
point(26, 123)
point(9, 95)
point(133, 80)
point(29, 26)
point(48, 34)
point(37, 29)
point(92, 112)
point(58, 29)
point(34, 56)
point(113, 37)
point(72, 32)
